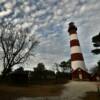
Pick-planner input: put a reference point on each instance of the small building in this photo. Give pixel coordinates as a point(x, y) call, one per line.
point(80, 74)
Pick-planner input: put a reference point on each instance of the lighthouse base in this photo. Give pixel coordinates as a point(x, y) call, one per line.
point(80, 74)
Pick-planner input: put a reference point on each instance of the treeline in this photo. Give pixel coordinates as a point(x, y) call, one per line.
point(39, 75)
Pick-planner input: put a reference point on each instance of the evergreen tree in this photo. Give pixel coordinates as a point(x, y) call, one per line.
point(96, 44)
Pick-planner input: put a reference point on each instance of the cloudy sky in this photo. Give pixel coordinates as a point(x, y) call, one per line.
point(49, 19)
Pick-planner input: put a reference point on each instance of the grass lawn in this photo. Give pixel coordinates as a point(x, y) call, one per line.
point(91, 96)
point(8, 92)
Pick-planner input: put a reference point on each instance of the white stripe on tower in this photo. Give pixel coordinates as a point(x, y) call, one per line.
point(75, 49)
point(78, 64)
point(73, 36)
point(77, 60)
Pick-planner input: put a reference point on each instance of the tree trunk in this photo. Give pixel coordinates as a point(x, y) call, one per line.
point(5, 72)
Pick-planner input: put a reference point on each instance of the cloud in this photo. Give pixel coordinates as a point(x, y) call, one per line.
point(5, 9)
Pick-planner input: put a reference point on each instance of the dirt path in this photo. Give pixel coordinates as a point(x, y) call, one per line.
point(77, 90)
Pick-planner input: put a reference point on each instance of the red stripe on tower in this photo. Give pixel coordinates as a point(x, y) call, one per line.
point(74, 42)
point(77, 56)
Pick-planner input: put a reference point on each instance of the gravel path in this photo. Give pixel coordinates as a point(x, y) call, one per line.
point(74, 90)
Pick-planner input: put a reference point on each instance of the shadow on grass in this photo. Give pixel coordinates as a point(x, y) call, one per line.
point(91, 96)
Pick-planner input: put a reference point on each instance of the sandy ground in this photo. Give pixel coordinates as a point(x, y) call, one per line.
point(74, 90)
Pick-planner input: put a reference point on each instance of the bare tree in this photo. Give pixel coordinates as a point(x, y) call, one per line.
point(56, 67)
point(16, 46)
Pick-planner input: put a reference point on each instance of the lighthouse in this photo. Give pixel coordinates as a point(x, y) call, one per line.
point(77, 60)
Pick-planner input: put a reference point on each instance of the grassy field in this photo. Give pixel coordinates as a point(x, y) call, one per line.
point(91, 96)
point(10, 92)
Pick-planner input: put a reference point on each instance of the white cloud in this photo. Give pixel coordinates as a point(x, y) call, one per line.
point(4, 13)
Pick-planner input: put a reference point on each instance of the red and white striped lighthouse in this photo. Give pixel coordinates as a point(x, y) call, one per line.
point(77, 60)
